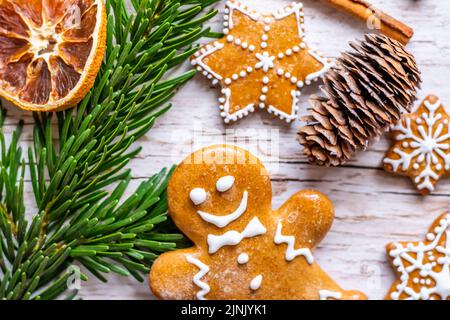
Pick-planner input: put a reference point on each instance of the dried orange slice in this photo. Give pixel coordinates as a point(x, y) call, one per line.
point(50, 51)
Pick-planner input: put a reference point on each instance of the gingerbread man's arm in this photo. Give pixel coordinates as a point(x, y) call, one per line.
point(306, 218)
point(171, 276)
point(307, 215)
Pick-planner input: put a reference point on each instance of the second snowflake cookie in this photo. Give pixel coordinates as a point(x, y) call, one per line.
point(262, 62)
point(423, 267)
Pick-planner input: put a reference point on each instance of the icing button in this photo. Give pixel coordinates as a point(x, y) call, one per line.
point(243, 258)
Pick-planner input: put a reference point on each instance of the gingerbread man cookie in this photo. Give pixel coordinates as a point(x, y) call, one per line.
point(262, 62)
point(220, 197)
point(423, 267)
point(422, 145)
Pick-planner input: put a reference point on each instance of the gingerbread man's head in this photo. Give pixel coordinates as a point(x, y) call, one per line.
point(218, 188)
point(220, 198)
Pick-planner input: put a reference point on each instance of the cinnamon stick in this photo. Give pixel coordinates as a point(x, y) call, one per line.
point(385, 23)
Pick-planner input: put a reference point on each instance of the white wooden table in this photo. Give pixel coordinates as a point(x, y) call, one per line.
point(372, 206)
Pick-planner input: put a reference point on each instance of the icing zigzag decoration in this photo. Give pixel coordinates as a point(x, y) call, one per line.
point(262, 62)
point(291, 252)
point(204, 269)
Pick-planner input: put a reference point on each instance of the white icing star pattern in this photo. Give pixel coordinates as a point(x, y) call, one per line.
point(430, 263)
point(422, 146)
point(266, 62)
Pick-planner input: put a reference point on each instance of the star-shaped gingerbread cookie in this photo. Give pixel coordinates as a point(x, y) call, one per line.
point(422, 145)
point(423, 267)
point(220, 198)
point(262, 62)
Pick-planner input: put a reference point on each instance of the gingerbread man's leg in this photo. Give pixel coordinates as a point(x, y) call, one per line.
point(169, 278)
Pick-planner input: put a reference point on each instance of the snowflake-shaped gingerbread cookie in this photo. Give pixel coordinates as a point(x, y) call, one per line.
point(423, 267)
point(220, 198)
point(422, 145)
point(262, 62)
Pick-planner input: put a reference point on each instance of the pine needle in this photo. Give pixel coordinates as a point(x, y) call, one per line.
point(78, 156)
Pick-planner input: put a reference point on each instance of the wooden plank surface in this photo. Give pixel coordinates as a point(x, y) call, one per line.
point(372, 207)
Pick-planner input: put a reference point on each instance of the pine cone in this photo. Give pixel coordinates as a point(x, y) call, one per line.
point(365, 93)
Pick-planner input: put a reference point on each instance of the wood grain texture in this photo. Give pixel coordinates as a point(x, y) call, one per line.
point(372, 207)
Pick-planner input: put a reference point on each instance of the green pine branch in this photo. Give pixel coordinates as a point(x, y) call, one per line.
point(77, 163)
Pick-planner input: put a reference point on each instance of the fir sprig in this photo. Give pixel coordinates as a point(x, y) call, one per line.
point(78, 169)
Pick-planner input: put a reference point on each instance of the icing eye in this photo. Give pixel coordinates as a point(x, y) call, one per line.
point(198, 196)
point(224, 183)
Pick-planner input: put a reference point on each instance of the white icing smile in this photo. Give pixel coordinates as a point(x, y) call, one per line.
point(223, 221)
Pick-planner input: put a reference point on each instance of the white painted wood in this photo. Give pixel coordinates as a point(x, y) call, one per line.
point(372, 207)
